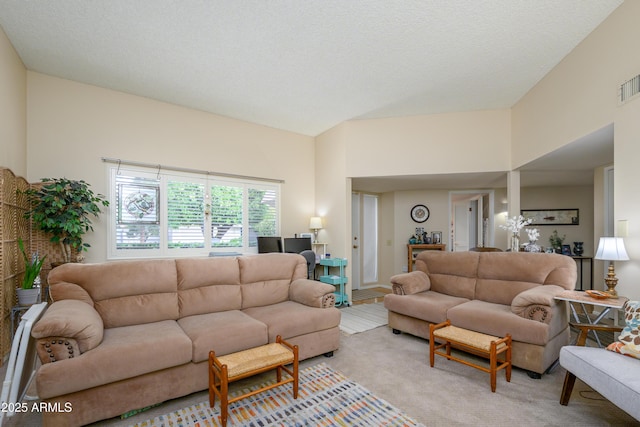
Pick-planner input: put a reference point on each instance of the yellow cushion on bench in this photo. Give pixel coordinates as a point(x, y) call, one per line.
point(464, 336)
point(256, 358)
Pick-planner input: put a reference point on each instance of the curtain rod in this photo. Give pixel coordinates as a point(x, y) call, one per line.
point(180, 169)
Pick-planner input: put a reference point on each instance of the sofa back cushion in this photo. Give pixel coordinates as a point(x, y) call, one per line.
point(265, 278)
point(208, 285)
point(123, 292)
point(503, 275)
point(450, 273)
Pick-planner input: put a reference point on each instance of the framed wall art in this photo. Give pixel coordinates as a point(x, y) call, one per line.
point(552, 216)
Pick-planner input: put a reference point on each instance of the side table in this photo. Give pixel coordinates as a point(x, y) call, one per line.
point(582, 299)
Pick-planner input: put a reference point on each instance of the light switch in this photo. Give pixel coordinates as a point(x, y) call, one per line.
point(622, 228)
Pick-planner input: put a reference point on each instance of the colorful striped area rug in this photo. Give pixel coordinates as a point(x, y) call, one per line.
point(325, 398)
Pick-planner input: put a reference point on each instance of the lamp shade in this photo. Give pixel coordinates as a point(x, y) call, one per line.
point(315, 223)
point(611, 249)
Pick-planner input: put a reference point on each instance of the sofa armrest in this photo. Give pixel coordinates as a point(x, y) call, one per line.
point(68, 328)
point(312, 293)
point(536, 303)
point(410, 283)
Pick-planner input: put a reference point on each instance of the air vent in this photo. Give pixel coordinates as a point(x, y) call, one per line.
point(629, 89)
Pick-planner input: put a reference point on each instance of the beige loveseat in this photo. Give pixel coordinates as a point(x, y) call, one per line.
point(496, 293)
point(125, 335)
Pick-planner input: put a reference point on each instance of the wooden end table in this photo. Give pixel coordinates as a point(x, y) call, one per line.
point(581, 298)
point(243, 364)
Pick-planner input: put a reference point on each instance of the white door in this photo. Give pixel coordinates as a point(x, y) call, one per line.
point(369, 239)
point(355, 251)
point(461, 226)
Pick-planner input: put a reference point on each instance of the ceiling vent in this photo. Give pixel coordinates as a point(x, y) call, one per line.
point(629, 89)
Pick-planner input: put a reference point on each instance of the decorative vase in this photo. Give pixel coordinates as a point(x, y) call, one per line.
point(578, 248)
point(532, 247)
point(515, 242)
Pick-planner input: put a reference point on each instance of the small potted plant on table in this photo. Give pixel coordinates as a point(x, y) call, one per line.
point(556, 241)
point(29, 292)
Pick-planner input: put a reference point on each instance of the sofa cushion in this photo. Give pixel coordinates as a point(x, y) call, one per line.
point(207, 285)
point(125, 292)
point(265, 278)
point(612, 375)
point(125, 352)
point(502, 276)
point(451, 273)
point(498, 320)
point(430, 306)
point(291, 319)
point(223, 332)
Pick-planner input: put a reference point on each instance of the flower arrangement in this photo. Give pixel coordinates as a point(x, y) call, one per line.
point(533, 234)
point(516, 224)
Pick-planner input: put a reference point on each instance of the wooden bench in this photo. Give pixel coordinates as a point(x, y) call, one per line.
point(243, 364)
point(471, 342)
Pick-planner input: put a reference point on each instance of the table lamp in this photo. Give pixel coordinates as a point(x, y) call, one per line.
point(611, 249)
point(315, 224)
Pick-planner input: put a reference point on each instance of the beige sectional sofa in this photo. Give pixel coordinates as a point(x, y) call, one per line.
point(124, 335)
point(496, 293)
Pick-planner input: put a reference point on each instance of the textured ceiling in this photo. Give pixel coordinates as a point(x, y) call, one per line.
point(305, 66)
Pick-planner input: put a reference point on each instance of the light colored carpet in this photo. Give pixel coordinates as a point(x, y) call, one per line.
point(396, 369)
point(325, 398)
point(363, 294)
point(362, 317)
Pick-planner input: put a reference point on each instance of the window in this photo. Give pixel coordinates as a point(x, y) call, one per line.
point(174, 214)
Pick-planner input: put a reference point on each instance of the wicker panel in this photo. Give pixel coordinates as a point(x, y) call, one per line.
point(13, 225)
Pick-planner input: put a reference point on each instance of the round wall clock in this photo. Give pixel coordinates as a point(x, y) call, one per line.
point(419, 213)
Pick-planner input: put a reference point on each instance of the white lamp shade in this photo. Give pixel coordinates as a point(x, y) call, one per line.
point(611, 249)
point(315, 223)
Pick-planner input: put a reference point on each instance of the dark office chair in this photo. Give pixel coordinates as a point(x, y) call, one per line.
point(310, 256)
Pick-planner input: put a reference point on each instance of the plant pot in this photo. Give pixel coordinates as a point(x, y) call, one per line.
point(28, 296)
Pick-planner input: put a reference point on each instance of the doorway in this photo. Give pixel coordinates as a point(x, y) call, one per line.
point(471, 219)
point(364, 252)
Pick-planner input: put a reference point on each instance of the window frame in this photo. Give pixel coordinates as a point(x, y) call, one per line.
point(163, 176)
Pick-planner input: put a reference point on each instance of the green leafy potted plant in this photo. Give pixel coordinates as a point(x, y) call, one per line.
point(556, 241)
point(29, 291)
point(62, 208)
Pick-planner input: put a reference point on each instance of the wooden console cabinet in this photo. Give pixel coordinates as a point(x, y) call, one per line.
point(414, 250)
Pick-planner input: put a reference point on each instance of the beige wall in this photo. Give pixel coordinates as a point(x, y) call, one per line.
point(627, 202)
point(578, 97)
point(72, 126)
point(13, 109)
point(438, 203)
point(598, 223)
point(388, 247)
point(579, 197)
point(440, 143)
